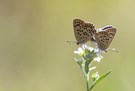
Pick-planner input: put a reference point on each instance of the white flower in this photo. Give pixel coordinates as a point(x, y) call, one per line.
point(84, 46)
point(80, 51)
point(98, 59)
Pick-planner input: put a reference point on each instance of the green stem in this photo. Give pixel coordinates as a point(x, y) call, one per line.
point(87, 82)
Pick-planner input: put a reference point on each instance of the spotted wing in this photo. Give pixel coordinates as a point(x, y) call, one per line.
point(104, 38)
point(83, 31)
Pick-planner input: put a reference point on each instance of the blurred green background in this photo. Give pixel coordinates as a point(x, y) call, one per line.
point(34, 55)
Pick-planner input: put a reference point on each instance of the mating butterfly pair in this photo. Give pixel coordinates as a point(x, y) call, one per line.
point(85, 32)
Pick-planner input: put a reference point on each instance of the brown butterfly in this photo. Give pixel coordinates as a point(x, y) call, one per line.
point(104, 37)
point(83, 31)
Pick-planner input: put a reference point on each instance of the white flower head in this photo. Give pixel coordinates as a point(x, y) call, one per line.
point(98, 58)
point(87, 47)
point(89, 52)
point(80, 51)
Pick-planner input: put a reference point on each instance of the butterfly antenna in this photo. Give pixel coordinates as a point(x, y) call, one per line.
point(71, 42)
point(112, 49)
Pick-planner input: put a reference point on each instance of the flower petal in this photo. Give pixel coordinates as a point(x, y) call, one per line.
point(98, 58)
point(80, 51)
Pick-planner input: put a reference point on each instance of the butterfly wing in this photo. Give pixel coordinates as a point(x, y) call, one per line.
point(83, 31)
point(104, 38)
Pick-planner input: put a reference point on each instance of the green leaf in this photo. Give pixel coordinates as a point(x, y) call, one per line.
point(81, 64)
point(79, 61)
point(99, 79)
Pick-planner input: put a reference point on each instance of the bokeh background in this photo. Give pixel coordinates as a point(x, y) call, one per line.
point(34, 54)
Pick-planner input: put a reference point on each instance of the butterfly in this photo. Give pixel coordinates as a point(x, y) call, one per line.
point(104, 37)
point(83, 31)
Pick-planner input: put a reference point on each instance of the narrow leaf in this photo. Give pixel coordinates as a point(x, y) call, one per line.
point(99, 79)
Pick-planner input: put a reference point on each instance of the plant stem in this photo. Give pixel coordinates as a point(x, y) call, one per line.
point(87, 81)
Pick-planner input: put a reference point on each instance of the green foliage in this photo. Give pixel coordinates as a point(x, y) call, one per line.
point(97, 80)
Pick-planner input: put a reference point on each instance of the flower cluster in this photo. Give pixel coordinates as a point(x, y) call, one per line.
point(87, 56)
